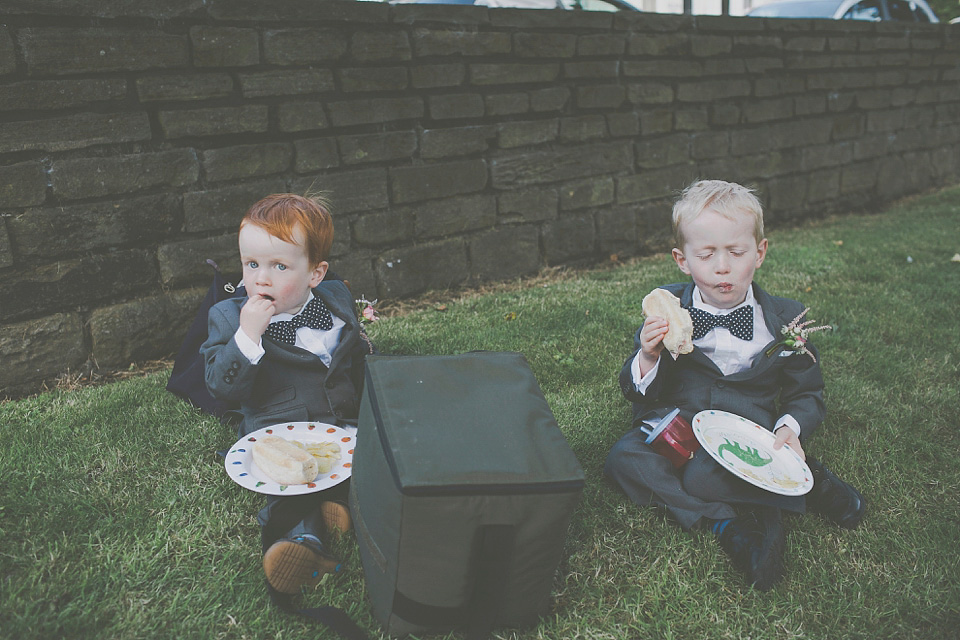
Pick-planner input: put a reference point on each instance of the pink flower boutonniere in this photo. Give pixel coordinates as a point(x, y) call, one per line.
point(366, 311)
point(795, 336)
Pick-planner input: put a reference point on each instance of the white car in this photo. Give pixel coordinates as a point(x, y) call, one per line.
point(873, 10)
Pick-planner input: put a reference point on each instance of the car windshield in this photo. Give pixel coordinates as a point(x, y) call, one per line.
point(823, 9)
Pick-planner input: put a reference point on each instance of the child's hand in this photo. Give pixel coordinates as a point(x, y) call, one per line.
point(255, 316)
point(785, 435)
point(651, 341)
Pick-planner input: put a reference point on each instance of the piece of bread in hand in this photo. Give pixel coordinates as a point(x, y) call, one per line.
point(663, 304)
point(284, 462)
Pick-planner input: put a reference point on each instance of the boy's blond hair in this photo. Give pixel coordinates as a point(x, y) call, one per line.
point(726, 198)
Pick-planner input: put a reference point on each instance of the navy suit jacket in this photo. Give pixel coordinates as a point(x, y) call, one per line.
point(785, 382)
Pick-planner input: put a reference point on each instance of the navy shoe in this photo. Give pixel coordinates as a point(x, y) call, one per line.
point(833, 498)
point(295, 562)
point(755, 543)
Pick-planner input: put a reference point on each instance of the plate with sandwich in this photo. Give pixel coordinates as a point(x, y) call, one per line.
point(292, 458)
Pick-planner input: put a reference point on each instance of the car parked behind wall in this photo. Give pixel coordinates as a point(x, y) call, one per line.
point(873, 10)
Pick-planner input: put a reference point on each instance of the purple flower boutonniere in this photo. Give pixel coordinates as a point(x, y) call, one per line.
point(795, 336)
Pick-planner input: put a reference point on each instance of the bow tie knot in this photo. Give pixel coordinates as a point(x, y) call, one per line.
point(739, 322)
point(315, 315)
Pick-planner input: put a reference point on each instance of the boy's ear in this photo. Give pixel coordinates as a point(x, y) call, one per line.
point(761, 252)
point(681, 261)
point(316, 277)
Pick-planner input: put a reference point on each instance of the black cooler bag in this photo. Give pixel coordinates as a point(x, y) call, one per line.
point(461, 492)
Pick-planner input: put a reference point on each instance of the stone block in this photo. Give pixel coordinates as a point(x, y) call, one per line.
point(57, 231)
point(349, 191)
point(440, 180)
point(589, 193)
point(650, 93)
point(214, 121)
point(757, 44)
point(544, 45)
point(185, 261)
point(301, 116)
point(656, 183)
point(38, 350)
point(8, 53)
point(550, 99)
point(373, 46)
point(787, 195)
point(524, 168)
point(826, 156)
point(365, 79)
point(79, 178)
point(623, 124)
point(303, 46)
point(286, 82)
point(298, 11)
point(767, 110)
point(22, 185)
point(356, 269)
point(889, 120)
point(847, 126)
point(778, 86)
point(454, 106)
point(375, 111)
point(617, 231)
point(68, 50)
point(6, 251)
point(80, 282)
point(583, 128)
point(562, 20)
point(663, 68)
point(180, 87)
point(138, 330)
point(659, 44)
point(157, 9)
point(44, 95)
point(315, 154)
point(247, 161)
point(568, 238)
point(662, 151)
point(823, 186)
point(858, 177)
point(78, 131)
point(486, 74)
point(504, 104)
point(706, 46)
point(223, 208)
point(724, 114)
point(529, 205)
point(809, 105)
point(433, 76)
point(655, 121)
point(525, 133)
point(408, 270)
point(762, 65)
point(603, 96)
point(505, 252)
point(224, 46)
point(601, 44)
point(454, 216)
point(708, 145)
point(390, 227)
point(592, 69)
point(377, 147)
point(437, 42)
point(711, 90)
point(456, 141)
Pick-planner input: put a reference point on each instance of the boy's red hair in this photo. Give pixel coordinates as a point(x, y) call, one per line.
point(281, 213)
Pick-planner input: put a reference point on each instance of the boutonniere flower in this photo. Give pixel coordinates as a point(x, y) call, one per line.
point(795, 336)
point(366, 311)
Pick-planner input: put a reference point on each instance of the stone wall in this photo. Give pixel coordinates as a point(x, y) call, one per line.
point(458, 144)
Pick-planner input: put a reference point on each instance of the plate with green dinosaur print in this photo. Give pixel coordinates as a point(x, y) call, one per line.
point(746, 450)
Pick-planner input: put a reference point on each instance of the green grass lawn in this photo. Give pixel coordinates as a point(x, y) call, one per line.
point(117, 519)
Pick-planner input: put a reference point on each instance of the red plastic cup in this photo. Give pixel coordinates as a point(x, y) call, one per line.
point(673, 438)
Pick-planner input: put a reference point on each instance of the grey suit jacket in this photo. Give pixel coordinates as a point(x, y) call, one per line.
point(289, 384)
point(772, 386)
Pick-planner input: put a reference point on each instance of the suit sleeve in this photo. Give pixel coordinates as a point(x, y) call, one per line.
point(801, 391)
point(629, 389)
point(228, 373)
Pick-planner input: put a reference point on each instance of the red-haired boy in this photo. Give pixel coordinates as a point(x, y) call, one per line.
point(276, 371)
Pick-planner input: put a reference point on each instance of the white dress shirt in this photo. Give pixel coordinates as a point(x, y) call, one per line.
point(317, 341)
point(728, 352)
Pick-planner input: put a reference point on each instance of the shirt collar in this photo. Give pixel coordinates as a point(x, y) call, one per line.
point(700, 304)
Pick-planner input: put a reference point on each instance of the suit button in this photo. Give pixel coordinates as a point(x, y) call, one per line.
point(228, 379)
point(721, 385)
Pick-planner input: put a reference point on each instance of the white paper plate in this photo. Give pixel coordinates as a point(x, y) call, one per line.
point(242, 470)
point(746, 450)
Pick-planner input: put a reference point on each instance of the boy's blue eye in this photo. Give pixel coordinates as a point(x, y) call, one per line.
point(253, 264)
point(282, 267)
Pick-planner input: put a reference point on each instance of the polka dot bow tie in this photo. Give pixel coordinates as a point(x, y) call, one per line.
point(740, 322)
point(315, 316)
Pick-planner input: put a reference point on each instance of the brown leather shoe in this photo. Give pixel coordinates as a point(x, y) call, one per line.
point(295, 562)
point(336, 516)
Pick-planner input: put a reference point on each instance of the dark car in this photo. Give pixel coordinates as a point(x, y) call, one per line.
point(873, 10)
